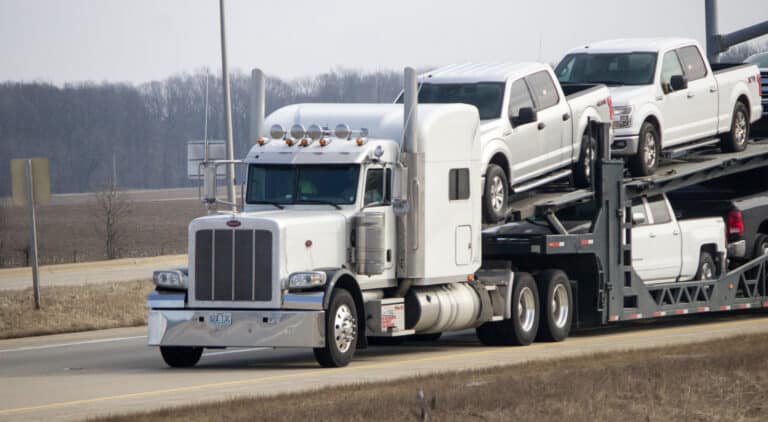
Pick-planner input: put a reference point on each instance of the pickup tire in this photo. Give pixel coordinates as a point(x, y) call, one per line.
point(761, 245)
point(340, 331)
point(556, 305)
point(181, 356)
point(736, 139)
point(646, 161)
point(520, 330)
point(495, 194)
point(584, 168)
point(707, 269)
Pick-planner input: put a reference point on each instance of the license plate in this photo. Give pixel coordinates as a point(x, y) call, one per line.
point(220, 319)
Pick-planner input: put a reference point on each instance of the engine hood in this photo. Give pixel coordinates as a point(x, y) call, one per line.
point(492, 128)
point(631, 94)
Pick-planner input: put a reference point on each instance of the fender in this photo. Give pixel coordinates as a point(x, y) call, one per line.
point(589, 113)
point(725, 117)
point(333, 275)
point(493, 147)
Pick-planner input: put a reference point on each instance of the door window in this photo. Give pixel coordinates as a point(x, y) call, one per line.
point(659, 209)
point(669, 68)
point(693, 63)
point(519, 97)
point(458, 184)
point(377, 191)
point(544, 91)
point(638, 210)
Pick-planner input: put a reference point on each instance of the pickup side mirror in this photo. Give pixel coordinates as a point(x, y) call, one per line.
point(524, 116)
point(678, 82)
point(638, 218)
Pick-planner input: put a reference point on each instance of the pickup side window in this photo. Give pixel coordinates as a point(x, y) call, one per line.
point(692, 62)
point(375, 190)
point(670, 67)
point(638, 209)
point(544, 91)
point(659, 209)
point(519, 97)
point(458, 184)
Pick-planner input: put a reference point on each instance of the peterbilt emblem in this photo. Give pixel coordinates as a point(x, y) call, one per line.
point(233, 223)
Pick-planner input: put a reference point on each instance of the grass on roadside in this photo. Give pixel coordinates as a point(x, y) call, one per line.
point(73, 308)
point(720, 380)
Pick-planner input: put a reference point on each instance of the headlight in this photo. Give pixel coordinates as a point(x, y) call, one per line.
point(306, 280)
point(622, 117)
point(170, 279)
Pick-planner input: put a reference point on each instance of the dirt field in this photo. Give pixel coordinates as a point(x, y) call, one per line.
point(70, 233)
point(74, 308)
point(724, 380)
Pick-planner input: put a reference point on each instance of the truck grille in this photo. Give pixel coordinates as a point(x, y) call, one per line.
point(233, 265)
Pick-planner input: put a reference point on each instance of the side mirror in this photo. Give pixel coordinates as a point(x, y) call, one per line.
point(638, 218)
point(678, 82)
point(525, 115)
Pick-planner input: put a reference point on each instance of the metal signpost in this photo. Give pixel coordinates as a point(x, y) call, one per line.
point(718, 43)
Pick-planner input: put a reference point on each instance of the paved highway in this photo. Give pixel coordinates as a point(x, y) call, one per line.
point(74, 376)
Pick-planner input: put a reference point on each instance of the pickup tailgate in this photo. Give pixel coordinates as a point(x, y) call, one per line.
point(697, 234)
point(584, 97)
point(735, 80)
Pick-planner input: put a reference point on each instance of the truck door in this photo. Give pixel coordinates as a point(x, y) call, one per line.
point(656, 242)
point(524, 141)
point(377, 196)
point(555, 142)
point(701, 94)
point(673, 104)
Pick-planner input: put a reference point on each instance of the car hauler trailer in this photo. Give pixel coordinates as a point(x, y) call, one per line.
point(376, 233)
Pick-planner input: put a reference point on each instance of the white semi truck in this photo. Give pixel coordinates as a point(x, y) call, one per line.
point(373, 231)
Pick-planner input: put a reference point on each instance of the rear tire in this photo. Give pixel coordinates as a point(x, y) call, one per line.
point(520, 330)
point(426, 337)
point(583, 170)
point(736, 139)
point(556, 305)
point(495, 194)
point(181, 356)
point(646, 161)
point(707, 269)
point(340, 331)
point(761, 245)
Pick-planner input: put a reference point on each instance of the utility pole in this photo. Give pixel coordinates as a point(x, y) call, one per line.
point(227, 108)
point(33, 234)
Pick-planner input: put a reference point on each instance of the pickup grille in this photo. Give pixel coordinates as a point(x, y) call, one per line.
point(233, 265)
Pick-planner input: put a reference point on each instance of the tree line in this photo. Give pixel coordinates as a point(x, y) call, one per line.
point(91, 130)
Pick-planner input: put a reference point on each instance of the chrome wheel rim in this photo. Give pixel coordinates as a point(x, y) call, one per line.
point(649, 150)
point(589, 158)
point(560, 306)
point(707, 272)
point(765, 248)
point(526, 309)
point(740, 128)
point(344, 327)
point(497, 190)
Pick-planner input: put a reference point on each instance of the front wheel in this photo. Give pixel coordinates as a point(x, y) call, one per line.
point(181, 356)
point(340, 331)
point(707, 269)
point(495, 194)
point(584, 168)
point(736, 139)
point(645, 162)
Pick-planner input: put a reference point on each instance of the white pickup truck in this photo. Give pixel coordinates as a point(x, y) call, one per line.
point(666, 94)
point(532, 130)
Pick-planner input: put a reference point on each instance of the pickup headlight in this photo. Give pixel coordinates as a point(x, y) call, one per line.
point(622, 117)
point(170, 279)
point(306, 280)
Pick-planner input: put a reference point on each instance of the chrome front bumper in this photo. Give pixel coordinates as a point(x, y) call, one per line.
point(624, 145)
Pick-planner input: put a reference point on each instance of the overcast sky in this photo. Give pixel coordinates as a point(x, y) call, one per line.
point(140, 40)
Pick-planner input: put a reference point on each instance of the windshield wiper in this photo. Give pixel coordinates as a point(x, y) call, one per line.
point(319, 201)
point(267, 202)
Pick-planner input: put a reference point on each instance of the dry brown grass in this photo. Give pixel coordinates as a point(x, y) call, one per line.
point(70, 233)
point(721, 380)
point(73, 308)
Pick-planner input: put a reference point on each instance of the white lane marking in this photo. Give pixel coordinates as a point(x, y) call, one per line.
point(79, 343)
point(228, 352)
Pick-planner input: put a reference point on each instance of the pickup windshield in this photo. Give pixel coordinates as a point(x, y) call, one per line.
point(302, 184)
point(607, 68)
point(486, 96)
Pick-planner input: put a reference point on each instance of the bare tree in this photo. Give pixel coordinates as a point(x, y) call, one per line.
point(111, 208)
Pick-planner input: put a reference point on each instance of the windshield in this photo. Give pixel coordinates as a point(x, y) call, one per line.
point(302, 184)
point(761, 60)
point(486, 96)
point(609, 69)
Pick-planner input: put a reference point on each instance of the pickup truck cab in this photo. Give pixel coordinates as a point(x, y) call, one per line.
point(532, 131)
point(666, 94)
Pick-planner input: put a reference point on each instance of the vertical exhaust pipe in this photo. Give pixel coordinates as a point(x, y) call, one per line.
point(258, 100)
point(410, 111)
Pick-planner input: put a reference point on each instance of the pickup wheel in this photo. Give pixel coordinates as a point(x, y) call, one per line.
point(761, 245)
point(181, 356)
point(495, 194)
point(736, 139)
point(584, 168)
point(645, 162)
point(556, 305)
point(340, 331)
point(521, 329)
point(707, 269)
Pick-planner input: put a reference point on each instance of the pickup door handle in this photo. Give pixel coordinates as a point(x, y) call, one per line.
point(691, 95)
point(566, 117)
point(652, 235)
point(675, 233)
point(713, 89)
point(541, 125)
